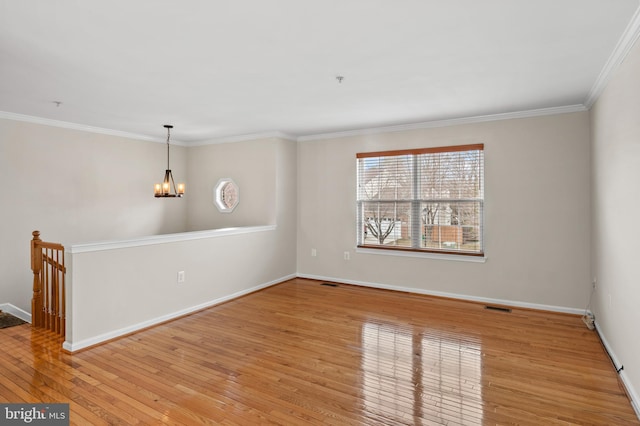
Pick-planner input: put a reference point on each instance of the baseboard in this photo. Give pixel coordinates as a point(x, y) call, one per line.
point(513, 303)
point(102, 338)
point(633, 395)
point(15, 311)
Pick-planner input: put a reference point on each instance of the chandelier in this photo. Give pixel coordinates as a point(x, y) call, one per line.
point(164, 189)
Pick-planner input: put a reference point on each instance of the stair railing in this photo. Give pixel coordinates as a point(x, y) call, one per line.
point(48, 302)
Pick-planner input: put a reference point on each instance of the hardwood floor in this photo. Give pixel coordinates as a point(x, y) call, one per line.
point(304, 353)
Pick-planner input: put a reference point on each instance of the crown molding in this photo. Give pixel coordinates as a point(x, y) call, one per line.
point(244, 138)
point(447, 123)
point(307, 138)
point(118, 133)
point(83, 128)
point(625, 43)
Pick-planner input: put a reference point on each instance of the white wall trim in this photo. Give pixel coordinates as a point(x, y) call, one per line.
point(626, 42)
point(447, 123)
point(166, 238)
point(15, 311)
point(515, 304)
point(281, 135)
point(243, 138)
point(83, 344)
point(83, 127)
point(635, 398)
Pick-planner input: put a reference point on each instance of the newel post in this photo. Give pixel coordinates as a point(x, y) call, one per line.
point(36, 267)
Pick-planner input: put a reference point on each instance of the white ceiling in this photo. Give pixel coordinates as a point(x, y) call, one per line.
point(217, 69)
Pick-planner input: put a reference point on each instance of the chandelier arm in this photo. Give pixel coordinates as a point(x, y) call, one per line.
point(175, 190)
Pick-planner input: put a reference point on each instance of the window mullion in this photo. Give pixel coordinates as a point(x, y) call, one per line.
point(415, 203)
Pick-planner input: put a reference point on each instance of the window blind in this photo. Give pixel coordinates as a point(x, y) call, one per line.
point(429, 199)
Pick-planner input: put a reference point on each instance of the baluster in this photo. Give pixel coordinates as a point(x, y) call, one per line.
point(47, 289)
point(58, 291)
point(63, 303)
point(36, 265)
point(54, 292)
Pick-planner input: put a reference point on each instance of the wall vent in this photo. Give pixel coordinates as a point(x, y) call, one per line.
point(497, 308)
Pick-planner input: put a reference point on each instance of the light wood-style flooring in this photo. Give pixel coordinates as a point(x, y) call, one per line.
point(303, 353)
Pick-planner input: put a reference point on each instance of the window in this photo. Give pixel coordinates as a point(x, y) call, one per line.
point(428, 200)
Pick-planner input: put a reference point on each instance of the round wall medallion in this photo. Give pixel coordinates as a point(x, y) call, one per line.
point(226, 195)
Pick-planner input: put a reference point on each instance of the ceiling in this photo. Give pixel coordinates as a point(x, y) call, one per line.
point(221, 69)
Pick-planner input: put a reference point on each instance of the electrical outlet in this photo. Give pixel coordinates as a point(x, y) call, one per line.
point(347, 255)
point(314, 253)
point(180, 277)
point(594, 282)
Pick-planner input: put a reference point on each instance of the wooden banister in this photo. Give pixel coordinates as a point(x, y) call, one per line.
point(36, 262)
point(48, 302)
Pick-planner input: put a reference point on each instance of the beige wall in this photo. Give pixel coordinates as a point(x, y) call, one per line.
point(141, 289)
point(616, 202)
point(77, 186)
point(537, 220)
point(251, 165)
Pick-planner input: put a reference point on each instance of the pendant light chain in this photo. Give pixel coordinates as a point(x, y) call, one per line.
point(168, 137)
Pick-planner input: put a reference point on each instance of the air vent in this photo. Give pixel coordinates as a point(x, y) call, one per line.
point(498, 308)
point(330, 284)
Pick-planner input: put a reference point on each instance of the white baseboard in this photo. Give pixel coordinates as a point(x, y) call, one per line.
point(517, 304)
point(96, 340)
point(635, 398)
point(15, 311)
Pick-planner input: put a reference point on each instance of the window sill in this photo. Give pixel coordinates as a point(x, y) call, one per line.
point(423, 255)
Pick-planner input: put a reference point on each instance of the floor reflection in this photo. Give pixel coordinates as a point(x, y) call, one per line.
point(433, 374)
